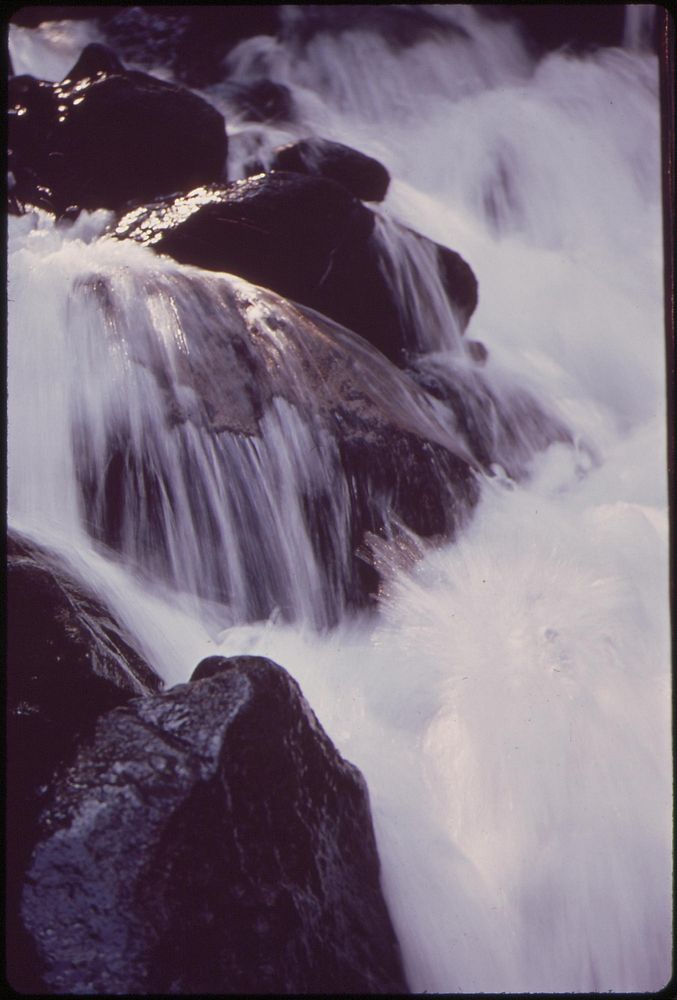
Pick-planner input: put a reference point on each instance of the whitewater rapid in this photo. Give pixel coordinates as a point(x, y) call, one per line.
point(509, 701)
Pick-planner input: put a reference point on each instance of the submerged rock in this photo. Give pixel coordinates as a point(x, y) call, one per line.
point(504, 425)
point(261, 100)
point(309, 239)
point(267, 421)
point(105, 135)
point(362, 175)
point(68, 661)
point(212, 840)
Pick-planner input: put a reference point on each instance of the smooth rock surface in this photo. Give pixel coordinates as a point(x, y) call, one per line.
point(309, 239)
point(362, 175)
point(279, 230)
point(256, 375)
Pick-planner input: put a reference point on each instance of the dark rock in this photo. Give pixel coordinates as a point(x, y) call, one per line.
point(399, 25)
point(95, 60)
point(578, 27)
point(477, 351)
point(213, 31)
point(146, 36)
point(212, 840)
point(504, 425)
point(104, 135)
point(362, 175)
point(278, 230)
point(376, 450)
point(261, 100)
point(191, 40)
point(460, 283)
point(308, 239)
point(31, 15)
point(68, 661)
point(14, 206)
point(391, 301)
point(211, 666)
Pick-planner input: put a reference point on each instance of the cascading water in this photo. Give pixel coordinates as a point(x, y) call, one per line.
point(508, 700)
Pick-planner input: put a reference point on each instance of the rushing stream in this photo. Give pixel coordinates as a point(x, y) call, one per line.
point(508, 701)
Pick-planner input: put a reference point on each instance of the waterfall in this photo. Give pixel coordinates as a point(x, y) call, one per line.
point(640, 19)
point(508, 697)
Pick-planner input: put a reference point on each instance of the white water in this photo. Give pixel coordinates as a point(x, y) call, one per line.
point(509, 704)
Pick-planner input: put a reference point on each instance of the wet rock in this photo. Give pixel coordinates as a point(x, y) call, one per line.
point(261, 100)
point(105, 135)
point(211, 666)
point(291, 406)
point(504, 425)
point(362, 175)
point(477, 351)
point(212, 840)
point(95, 60)
point(68, 661)
point(460, 283)
point(306, 238)
point(280, 230)
point(371, 290)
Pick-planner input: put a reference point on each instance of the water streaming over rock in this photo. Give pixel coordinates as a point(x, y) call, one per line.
point(508, 698)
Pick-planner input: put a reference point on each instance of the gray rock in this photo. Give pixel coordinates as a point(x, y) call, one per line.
point(212, 840)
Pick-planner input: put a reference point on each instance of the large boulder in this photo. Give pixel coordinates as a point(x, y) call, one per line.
point(105, 135)
point(399, 290)
point(269, 419)
point(362, 175)
point(279, 230)
point(211, 840)
point(68, 661)
point(309, 239)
